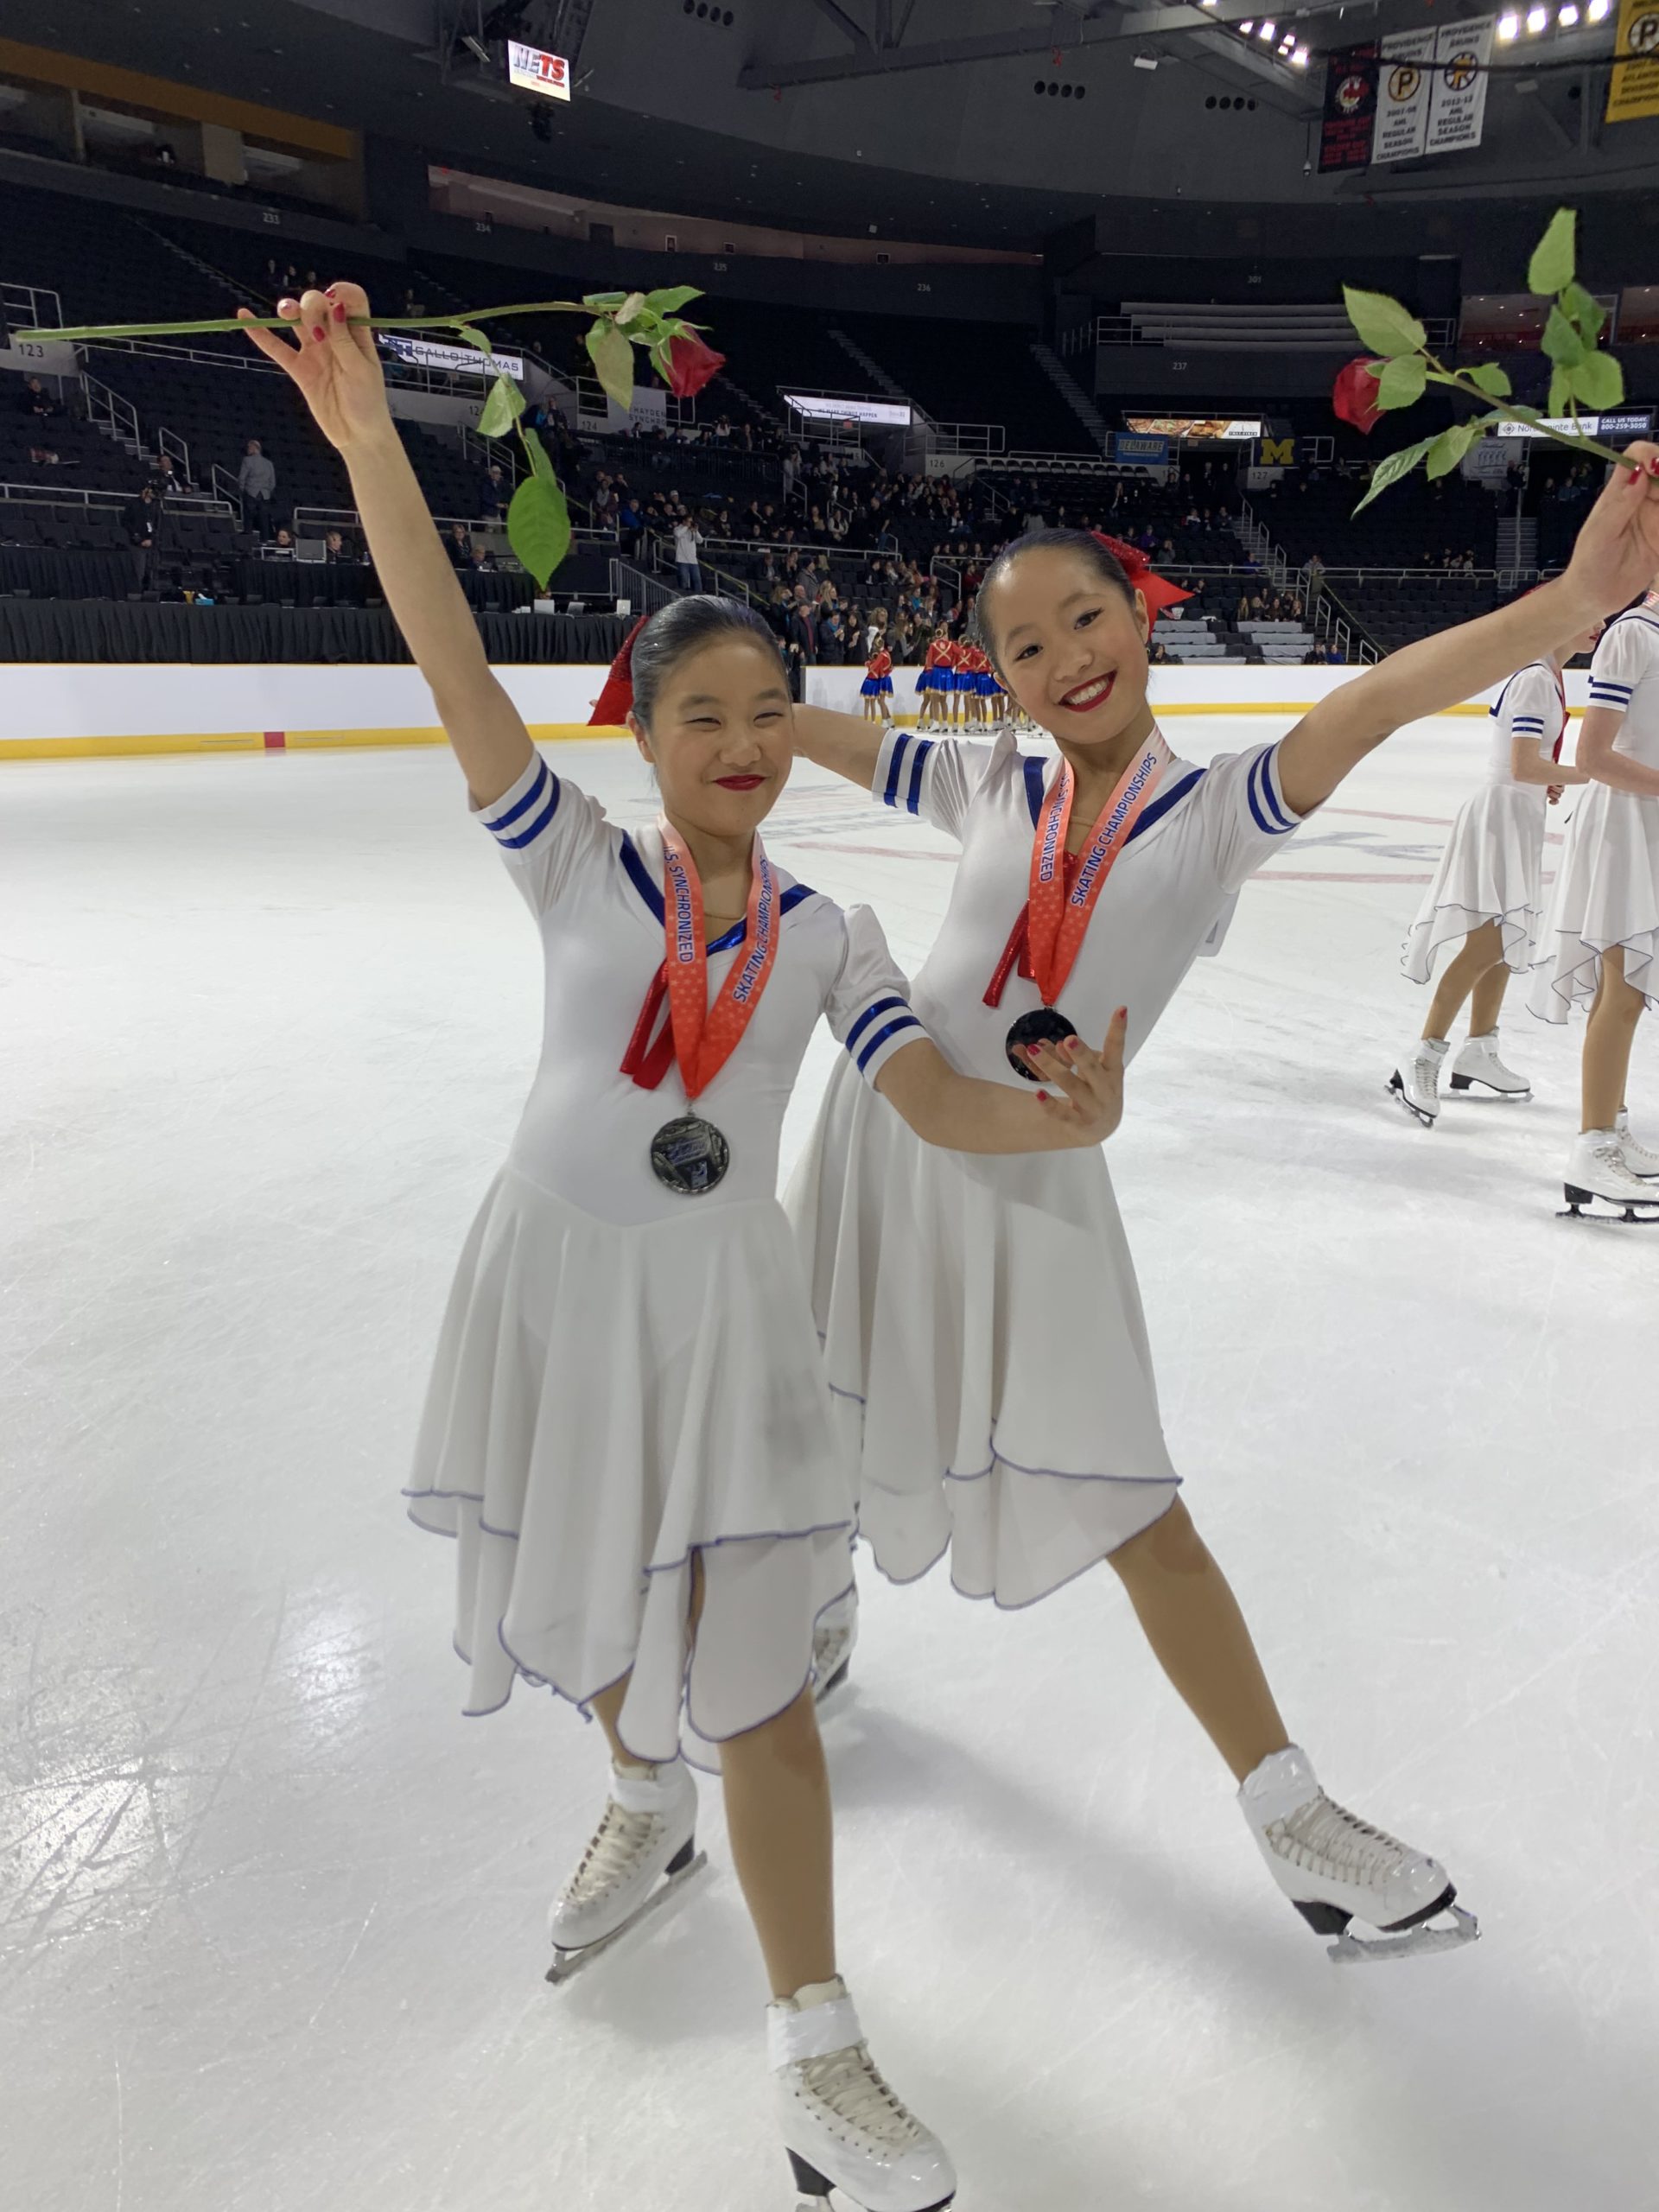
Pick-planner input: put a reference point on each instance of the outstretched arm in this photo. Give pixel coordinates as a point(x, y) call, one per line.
point(335, 364)
point(1617, 553)
point(1530, 764)
point(844, 743)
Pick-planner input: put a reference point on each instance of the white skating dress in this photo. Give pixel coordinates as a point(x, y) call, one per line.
point(1492, 868)
point(980, 1319)
point(1607, 891)
point(627, 1377)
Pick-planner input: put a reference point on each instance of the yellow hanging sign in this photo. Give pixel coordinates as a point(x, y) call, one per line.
point(1634, 89)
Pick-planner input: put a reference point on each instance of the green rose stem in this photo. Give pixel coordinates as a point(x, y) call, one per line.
point(539, 520)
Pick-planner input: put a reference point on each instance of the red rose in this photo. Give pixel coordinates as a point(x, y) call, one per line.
point(1353, 396)
point(688, 363)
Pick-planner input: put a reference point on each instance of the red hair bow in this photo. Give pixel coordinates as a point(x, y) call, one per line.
point(612, 707)
point(1158, 592)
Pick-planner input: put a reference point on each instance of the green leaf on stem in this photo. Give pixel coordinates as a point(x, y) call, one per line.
point(1551, 268)
point(629, 309)
point(1391, 470)
point(1598, 382)
point(671, 298)
point(1383, 325)
point(539, 526)
point(472, 337)
point(536, 455)
point(1561, 392)
point(1401, 381)
point(501, 410)
point(1451, 446)
point(605, 302)
point(1491, 379)
point(1561, 342)
point(1584, 312)
point(613, 360)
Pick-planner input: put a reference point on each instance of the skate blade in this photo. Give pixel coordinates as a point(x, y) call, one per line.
point(1474, 1093)
point(1349, 1949)
point(1415, 1112)
point(1581, 1206)
point(566, 1964)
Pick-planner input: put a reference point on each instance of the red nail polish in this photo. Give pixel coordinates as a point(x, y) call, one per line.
point(340, 310)
point(318, 332)
point(1653, 468)
point(1042, 1094)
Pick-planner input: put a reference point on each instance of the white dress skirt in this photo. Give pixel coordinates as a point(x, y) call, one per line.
point(628, 1379)
point(606, 1406)
point(1491, 871)
point(1606, 893)
point(986, 1349)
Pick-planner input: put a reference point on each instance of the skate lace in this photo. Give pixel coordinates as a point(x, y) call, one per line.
point(847, 2083)
point(1328, 1839)
point(619, 1843)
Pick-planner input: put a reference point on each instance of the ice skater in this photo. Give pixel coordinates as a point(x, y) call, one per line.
point(627, 1428)
point(982, 1322)
point(1488, 890)
point(929, 681)
point(1601, 944)
point(876, 690)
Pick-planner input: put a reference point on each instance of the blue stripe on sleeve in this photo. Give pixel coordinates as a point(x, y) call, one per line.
point(1257, 777)
point(1035, 778)
point(529, 836)
point(532, 799)
point(639, 875)
point(906, 1021)
point(1275, 806)
point(924, 747)
point(873, 1011)
point(895, 761)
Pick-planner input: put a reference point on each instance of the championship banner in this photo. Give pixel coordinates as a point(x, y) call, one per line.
point(1633, 91)
point(1402, 89)
point(1456, 108)
point(1349, 108)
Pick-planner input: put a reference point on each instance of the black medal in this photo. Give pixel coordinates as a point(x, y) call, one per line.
point(1044, 1025)
point(690, 1155)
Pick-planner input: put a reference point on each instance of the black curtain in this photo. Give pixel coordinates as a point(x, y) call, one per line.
point(136, 630)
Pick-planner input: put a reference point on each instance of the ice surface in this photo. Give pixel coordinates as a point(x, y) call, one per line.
point(273, 1911)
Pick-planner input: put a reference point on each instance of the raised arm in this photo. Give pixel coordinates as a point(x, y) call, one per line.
point(1617, 552)
point(335, 364)
point(845, 743)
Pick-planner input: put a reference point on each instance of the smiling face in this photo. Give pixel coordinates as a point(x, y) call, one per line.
point(721, 736)
point(1069, 645)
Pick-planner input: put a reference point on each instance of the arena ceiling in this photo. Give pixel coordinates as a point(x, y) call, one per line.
point(926, 119)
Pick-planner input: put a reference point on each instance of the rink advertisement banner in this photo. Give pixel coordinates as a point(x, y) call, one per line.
point(1457, 107)
point(454, 360)
point(1141, 445)
point(1349, 108)
point(1633, 90)
point(1404, 81)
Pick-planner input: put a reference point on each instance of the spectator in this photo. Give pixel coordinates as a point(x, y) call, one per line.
point(35, 399)
point(687, 538)
point(492, 493)
point(802, 633)
point(256, 479)
point(459, 546)
point(337, 553)
point(166, 478)
point(138, 519)
point(281, 547)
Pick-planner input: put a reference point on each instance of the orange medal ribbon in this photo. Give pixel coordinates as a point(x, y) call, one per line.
point(704, 1037)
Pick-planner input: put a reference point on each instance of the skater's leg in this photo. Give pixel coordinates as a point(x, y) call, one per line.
point(1483, 950)
point(1607, 1042)
point(777, 1817)
point(1486, 1001)
point(605, 1708)
point(1198, 1637)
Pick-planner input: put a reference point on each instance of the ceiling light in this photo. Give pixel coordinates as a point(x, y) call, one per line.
point(1598, 11)
point(1146, 62)
point(1267, 30)
point(1537, 20)
point(1299, 60)
point(1247, 27)
point(1509, 28)
point(1567, 18)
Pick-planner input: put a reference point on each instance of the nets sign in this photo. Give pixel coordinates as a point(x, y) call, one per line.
point(534, 71)
point(1350, 76)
